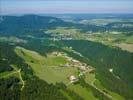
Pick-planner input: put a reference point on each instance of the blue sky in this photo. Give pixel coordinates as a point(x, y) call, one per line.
point(65, 6)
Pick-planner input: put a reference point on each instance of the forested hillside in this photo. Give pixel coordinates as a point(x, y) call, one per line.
point(48, 58)
point(33, 24)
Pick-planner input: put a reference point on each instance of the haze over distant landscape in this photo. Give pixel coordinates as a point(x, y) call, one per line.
point(66, 49)
point(65, 6)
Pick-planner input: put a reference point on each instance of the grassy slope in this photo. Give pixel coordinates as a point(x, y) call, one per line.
point(118, 40)
point(90, 79)
point(73, 33)
point(44, 69)
point(47, 68)
point(113, 94)
point(83, 92)
point(66, 95)
point(125, 46)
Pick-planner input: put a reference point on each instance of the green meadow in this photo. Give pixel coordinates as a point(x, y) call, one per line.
point(47, 68)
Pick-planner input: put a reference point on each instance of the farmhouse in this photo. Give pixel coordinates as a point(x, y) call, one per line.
point(73, 79)
point(76, 62)
point(55, 53)
point(82, 68)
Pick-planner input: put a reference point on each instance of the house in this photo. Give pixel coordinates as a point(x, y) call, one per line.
point(73, 79)
point(83, 68)
point(59, 54)
point(76, 62)
point(55, 53)
point(69, 58)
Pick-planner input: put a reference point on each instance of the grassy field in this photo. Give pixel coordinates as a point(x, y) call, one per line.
point(90, 79)
point(114, 39)
point(83, 92)
point(66, 95)
point(129, 40)
point(103, 21)
point(65, 32)
point(113, 94)
point(62, 30)
point(125, 46)
point(47, 68)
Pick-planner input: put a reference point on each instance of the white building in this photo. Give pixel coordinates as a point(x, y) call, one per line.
point(73, 79)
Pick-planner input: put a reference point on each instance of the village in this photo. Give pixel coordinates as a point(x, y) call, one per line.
point(82, 67)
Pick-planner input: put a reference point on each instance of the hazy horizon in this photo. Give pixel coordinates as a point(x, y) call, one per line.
point(8, 7)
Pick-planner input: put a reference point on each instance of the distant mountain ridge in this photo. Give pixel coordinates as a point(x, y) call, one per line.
point(16, 24)
point(10, 25)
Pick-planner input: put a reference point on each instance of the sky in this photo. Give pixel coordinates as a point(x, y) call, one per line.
point(65, 6)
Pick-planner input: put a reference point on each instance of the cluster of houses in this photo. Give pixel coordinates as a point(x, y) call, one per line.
point(56, 37)
point(59, 36)
point(81, 66)
point(74, 63)
point(59, 54)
